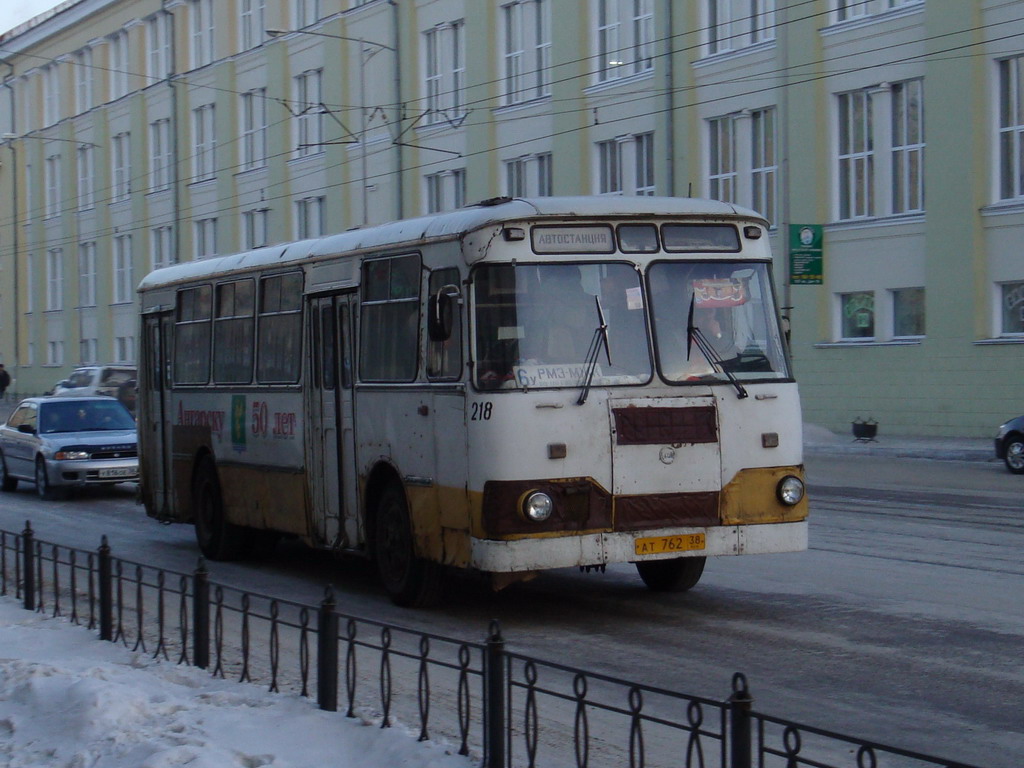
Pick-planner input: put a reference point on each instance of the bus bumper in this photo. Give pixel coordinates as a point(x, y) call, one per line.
point(530, 554)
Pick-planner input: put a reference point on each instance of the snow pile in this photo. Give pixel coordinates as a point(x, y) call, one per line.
point(69, 700)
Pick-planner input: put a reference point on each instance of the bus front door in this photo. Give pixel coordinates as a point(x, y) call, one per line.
point(331, 459)
point(154, 428)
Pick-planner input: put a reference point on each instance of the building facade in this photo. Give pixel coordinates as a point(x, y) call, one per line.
point(139, 133)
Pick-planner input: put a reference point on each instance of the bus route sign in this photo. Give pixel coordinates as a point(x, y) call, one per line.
point(806, 260)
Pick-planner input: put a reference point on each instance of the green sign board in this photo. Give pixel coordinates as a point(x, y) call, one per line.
point(806, 263)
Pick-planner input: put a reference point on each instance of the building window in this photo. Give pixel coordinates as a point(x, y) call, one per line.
point(162, 247)
point(118, 65)
point(528, 176)
point(124, 284)
point(609, 158)
point(201, 14)
point(310, 115)
point(762, 21)
point(306, 12)
point(55, 352)
point(719, 26)
point(907, 146)
point(645, 164)
point(1012, 315)
point(253, 25)
point(1011, 128)
point(908, 312)
point(53, 185)
point(858, 315)
point(83, 80)
point(625, 38)
point(54, 279)
point(160, 155)
point(850, 9)
point(856, 156)
point(722, 159)
point(86, 198)
point(122, 167)
point(733, 24)
point(764, 164)
point(527, 50)
point(445, 191)
point(254, 228)
point(205, 231)
point(309, 217)
point(51, 94)
point(254, 129)
point(204, 143)
point(124, 349)
point(88, 351)
point(87, 275)
point(158, 37)
point(445, 71)
point(609, 57)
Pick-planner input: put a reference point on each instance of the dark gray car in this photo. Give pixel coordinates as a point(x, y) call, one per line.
point(60, 443)
point(1010, 445)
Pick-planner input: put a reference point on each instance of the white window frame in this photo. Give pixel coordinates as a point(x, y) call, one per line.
point(86, 165)
point(162, 247)
point(124, 349)
point(310, 217)
point(88, 351)
point(204, 143)
point(444, 72)
point(908, 147)
point(254, 129)
point(54, 279)
point(609, 49)
point(847, 10)
point(762, 21)
point(83, 80)
point(855, 172)
point(118, 65)
point(307, 12)
point(254, 228)
point(893, 295)
point(205, 237)
point(87, 274)
point(644, 176)
point(53, 186)
point(51, 94)
point(1010, 138)
point(643, 35)
point(764, 167)
point(253, 22)
point(202, 32)
point(719, 26)
point(55, 352)
point(158, 39)
point(445, 190)
point(723, 173)
point(309, 122)
point(1010, 297)
point(122, 167)
point(160, 156)
point(609, 167)
point(528, 175)
point(124, 287)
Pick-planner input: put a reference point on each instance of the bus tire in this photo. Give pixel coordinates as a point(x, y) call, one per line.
point(411, 581)
point(676, 575)
point(217, 538)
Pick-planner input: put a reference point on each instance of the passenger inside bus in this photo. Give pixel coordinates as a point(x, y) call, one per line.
point(560, 318)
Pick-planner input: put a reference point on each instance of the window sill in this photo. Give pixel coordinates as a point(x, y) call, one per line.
point(869, 343)
point(998, 341)
point(519, 106)
point(608, 85)
point(1004, 207)
point(869, 222)
point(736, 53)
point(871, 19)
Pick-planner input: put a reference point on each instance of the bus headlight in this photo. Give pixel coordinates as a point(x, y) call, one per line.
point(790, 490)
point(538, 506)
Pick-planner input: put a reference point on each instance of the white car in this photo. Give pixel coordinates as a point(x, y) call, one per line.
point(112, 380)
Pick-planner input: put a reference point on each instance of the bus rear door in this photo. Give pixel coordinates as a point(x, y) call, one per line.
point(331, 459)
point(154, 428)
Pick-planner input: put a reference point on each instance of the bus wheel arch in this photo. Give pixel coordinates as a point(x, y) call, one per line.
point(217, 538)
point(409, 579)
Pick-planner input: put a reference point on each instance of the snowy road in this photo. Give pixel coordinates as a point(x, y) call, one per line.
point(898, 625)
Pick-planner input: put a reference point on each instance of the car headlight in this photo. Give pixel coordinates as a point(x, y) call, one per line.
point(790, 490)
point(70, 455)
point(538, 506)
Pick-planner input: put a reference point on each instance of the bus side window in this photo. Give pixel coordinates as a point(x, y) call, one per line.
point(192, 336)
point(444, 358)
point(389, 326)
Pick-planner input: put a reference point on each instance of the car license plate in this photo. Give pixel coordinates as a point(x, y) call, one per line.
point(118, 472)
point(660, 545)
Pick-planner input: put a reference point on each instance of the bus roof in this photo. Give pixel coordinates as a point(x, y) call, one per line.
point(443, 226)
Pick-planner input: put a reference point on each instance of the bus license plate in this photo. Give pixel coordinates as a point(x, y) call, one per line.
point(659, 545)
point(118, 472)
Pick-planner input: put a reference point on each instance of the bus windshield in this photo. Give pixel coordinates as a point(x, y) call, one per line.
point(536, 324)
point(712, 319)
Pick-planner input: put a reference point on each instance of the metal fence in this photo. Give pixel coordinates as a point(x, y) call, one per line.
point(492, 704)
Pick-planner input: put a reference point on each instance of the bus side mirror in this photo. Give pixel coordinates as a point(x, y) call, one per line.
point(440, 315)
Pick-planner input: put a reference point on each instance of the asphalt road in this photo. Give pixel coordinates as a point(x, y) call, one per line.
point(902, 623)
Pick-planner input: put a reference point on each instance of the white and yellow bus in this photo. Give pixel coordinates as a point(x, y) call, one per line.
point(515, 386)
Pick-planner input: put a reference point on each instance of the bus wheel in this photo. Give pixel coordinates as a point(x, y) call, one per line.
point(408, 579)
point(218, 539)
point(676, 575)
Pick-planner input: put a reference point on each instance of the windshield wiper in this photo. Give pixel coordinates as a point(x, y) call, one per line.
point(599, 339)
point(695, 334)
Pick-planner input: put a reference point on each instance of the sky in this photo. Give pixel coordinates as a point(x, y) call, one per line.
point(68, 700)
point(15, 12)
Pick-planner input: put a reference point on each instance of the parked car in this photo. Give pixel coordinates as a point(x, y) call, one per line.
point(60, 443)
point(1010, 445)
point(113, 380)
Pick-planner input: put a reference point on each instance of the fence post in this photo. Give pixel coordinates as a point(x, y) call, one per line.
point(494, 695)
point(104, 575)
point(28, 552)
point(201, 615)
point(327, 653)
point(740, 705)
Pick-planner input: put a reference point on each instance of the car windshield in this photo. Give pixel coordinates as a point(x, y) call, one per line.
point(713, 319)
point(87, 416)
point(537, 324)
